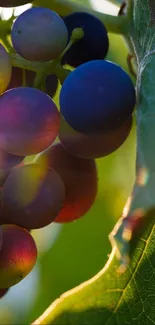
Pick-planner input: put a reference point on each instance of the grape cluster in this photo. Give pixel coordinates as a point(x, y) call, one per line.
point(97, 100)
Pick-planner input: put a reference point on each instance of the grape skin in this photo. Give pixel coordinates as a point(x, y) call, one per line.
point(7, 162)
point(3, 292)
point(90, 47)
point(31, 197)
point(13, 3)
point(29, 121)
point(79, 177)
point(93, 146)
point(5, 69)
point(51, 81)
point(37, 41)
point(17, 255)
point(97, 96)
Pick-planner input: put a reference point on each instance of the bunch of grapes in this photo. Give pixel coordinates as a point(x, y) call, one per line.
point(97, 99)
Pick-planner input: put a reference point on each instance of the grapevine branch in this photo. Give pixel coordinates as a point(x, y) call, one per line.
point(142, 39)
point(114, 24)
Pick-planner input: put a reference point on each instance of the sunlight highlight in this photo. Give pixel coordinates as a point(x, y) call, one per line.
point(104, 6)
point(7, 12)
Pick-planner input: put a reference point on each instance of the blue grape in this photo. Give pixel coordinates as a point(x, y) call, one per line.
point(97, 96)
point(13, 3)
point(5, 69)
point(31, 197)
point(79, 177)
point(51, 81)
point(93, 145)
point(29, 121)
point(39, 34)
point(94, 45)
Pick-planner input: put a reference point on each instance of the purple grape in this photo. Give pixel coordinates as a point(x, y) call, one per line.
point(79, 177)
point(29, 121)
point(17, 255)
point(93, 146)
point(31, 197)
point(7, 162)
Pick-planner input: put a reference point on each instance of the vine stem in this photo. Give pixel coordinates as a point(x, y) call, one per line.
point(44, 69)
point(141, 200)
point(114, 24)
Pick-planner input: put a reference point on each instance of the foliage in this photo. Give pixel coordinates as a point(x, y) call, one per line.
point(110, 297)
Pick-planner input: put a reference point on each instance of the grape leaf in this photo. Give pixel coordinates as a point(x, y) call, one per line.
point(111, 298)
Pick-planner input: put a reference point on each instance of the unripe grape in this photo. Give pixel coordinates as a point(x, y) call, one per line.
point(5, 69)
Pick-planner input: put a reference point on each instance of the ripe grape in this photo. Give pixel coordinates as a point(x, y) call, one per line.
point(29, 121)
point(94, 45)
point(93, 146)
point(31, 197)
point(13, 3)
point(97, 96)
point(51, 81)
point(17, 255)
point(79, 177)
point(39, 34)
point(3, 292)
point(5, 69)
point(7, 162)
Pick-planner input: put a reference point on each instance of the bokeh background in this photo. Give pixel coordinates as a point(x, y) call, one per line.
point(72, 253)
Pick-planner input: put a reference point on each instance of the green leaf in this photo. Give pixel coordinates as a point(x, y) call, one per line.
point(111, 298)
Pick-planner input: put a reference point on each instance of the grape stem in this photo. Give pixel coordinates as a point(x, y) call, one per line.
point(142, 198)
point(114, 24)
point(44, 69)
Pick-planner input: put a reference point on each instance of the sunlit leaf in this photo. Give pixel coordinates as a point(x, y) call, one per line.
point(111, 298)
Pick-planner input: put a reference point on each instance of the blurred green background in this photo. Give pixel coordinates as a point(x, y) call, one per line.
point(72, 253)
